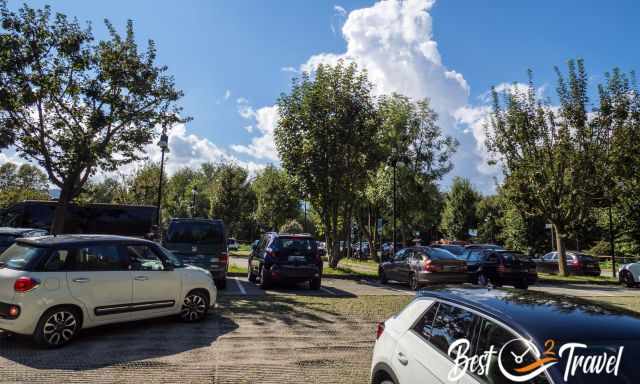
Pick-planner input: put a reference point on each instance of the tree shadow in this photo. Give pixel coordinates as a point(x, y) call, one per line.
point(120, 344)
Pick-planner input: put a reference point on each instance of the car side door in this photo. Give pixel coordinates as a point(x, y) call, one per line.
point(490, 266)
point(157, 286)
point(257, 255)
point(392, 270)
point(403, 269)
point(99, 277)
point(421, 354)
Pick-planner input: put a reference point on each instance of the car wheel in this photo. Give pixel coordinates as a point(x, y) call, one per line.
point(627, 279)
point(315, 284)
point(57, 327)
point(523, 284)
point(194, 307)
point(221, 283)
point(382, 276)
point(265, 278)
point(482, 280)
point(413, 282)
point(251, 276)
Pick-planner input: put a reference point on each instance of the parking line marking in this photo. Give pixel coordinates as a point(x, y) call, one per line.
point(328, 291)
point(240, 287)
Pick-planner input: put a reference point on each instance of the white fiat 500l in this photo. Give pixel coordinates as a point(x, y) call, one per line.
point(51, 287)
point(629, 274)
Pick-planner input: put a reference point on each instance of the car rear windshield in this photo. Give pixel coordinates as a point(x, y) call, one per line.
point(455, 249)
point(440, 254)
point(586, 258)
point(511, 257)
point(295, 244)
point(195, 232)
point(20, 256)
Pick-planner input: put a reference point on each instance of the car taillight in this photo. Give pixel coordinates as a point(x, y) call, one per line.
point(25, 284)
point(224, 258)
point(429, 267)
point(379, 330)
point(501, 268)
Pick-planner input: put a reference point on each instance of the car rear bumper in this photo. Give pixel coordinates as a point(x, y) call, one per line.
point(442, 277)
point(24, 324)
point(295, 273)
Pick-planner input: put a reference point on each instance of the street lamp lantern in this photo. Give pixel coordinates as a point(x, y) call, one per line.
point(163, 143)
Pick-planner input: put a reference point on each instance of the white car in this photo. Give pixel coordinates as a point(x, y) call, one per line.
point(629, 274)
point(51, 287)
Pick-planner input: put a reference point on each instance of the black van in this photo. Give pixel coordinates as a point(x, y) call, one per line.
point(200, 242)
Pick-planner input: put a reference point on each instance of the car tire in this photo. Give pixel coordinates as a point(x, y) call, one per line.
point(57, 327)
point(315, 283)
point(413, 282)
point(523, 284)
point(482, 280)
point(194, 307)
point(382, 277)
point(251, 276)
point(627, 279)
point(221, 283)
point(265, 278)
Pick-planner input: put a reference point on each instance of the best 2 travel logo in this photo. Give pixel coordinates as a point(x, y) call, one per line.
point(519, 360)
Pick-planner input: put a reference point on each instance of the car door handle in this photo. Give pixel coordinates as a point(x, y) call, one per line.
point(141, 278)
point(80, 280)
point(402, 358)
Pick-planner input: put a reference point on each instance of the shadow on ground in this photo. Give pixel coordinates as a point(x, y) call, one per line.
point(124, 344)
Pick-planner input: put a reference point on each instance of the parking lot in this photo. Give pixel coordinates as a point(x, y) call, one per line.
point(284, 335)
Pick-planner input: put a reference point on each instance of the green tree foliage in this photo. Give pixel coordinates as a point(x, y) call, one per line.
point(489, 211)
point(232, 200)
point(25, 182)
point(143, 185)
point(326, 138)
point(108, 191)
point(292, 226)
point(459, 214)
point(548, 156)
point(277, 198)
point(75, 106)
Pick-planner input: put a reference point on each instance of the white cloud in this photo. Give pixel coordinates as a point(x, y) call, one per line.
point(340, 10)
point(262, 147)
point(227, 94)
point(289, 69)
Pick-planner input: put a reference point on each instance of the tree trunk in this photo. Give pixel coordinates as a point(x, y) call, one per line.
point(562, 252)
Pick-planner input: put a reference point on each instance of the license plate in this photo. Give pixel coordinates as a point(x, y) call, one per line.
point(297, 259)
point(450, 268)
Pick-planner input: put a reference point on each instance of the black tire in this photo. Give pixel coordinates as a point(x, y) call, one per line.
point(251, 276)
point(627, 279)
point(194, 307)
point(522, 284)
point(413, 282)
point(265, 278)
point(382, 276)
point(221, 283)
point(57, 327)
point(315, 283)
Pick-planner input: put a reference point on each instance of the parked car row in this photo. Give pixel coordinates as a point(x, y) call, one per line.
point(478, 264)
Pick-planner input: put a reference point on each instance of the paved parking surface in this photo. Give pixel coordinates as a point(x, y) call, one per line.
point(284, 335)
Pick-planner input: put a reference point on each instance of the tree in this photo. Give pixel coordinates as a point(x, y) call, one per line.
point(232, 200)
point(326, 138)
point(488, 213)
point(548, 157)
point(143, 186)
point(74, 106)
point(26, 182)
point(459, 215)
point(292, 226)
point(108, 191)
point(277, 199)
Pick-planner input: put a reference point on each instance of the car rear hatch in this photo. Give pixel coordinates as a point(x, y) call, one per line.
point(198, 243)
point(589, 263)
point(514, 264)
point(296, 255)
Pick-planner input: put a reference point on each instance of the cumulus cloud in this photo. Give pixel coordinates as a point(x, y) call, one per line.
point(340, 10)
point(266, 120)
point(289, 69)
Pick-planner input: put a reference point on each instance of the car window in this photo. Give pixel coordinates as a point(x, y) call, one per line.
point(548, 256)
point(492, 334)
point(59, 260)
point(440, 254)
point(195, 232)
point(401, 255)
point(97, 258)
point(555, 256)
point(492, 258)
point(450, 324)
point(171, 258)
point(20, 256)
point(143, 258)
point(474, 256)
point(424, 326)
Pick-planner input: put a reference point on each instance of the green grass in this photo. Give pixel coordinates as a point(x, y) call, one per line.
point(244, 253)
point(327, 272)
point(236, 270)
point(631, 303)
point(545, 277)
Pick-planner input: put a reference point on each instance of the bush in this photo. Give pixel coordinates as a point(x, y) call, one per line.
point(292, 226)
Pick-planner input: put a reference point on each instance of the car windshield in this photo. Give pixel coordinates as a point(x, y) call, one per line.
point(195, 232)
point(455, 249)
point(20, 256)
point(586, 258)
point(295, 244)
point(172, 258)
point(510, 257)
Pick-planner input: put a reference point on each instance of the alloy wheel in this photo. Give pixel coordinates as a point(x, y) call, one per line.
point(60, 327)
point(194, 307)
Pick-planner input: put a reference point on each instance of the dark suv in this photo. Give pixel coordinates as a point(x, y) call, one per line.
point(200, 242)
point(284, 257)
point(8, 236)
point(500, 267)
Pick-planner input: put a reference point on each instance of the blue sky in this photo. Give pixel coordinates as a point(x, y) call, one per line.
point(233, 58)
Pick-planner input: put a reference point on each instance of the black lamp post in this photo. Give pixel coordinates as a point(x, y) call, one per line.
point(164, 147)
point(193, 202)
